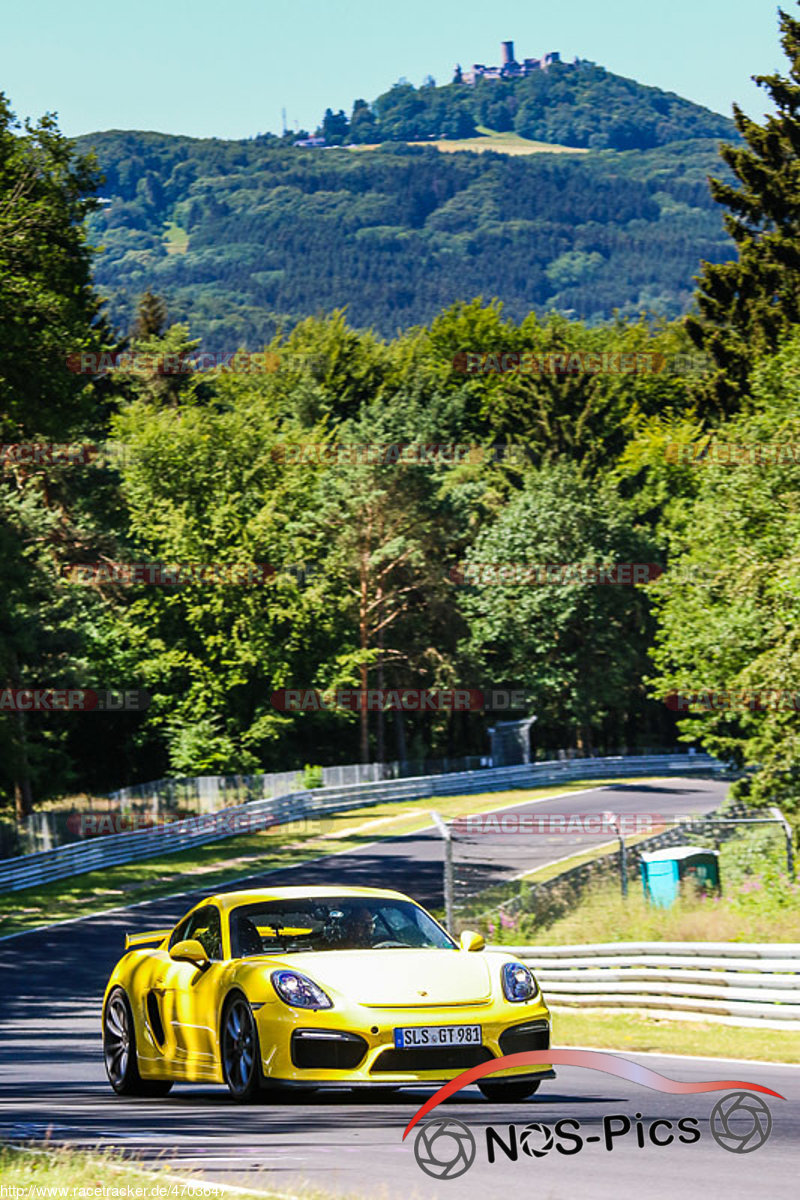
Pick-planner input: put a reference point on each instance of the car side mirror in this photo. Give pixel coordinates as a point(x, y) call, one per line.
point(189, 950)
point(470, 940)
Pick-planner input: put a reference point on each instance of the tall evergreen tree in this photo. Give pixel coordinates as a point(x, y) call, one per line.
point(746, 306)
point(151, 317)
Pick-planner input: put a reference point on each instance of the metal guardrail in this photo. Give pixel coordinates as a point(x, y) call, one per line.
point(738, 983)
point(161, 800)
point(206, 793)
point(75, 858)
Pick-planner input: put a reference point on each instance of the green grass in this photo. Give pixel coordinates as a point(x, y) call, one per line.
point(490, 139)
point(67, 1171)
point(758, 904)
point(224, 863)
point(602, 915)
point(634, 1031)
point(176, 240)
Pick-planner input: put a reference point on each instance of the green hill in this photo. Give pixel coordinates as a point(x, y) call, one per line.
point(574, 104)
point(242, 237)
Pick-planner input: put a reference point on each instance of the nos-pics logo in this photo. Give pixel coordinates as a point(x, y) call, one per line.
point(445, 1148)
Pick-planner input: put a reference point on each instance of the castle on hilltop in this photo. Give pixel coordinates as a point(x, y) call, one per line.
point(509, 67)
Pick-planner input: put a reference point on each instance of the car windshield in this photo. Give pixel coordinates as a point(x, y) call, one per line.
point(333, 923)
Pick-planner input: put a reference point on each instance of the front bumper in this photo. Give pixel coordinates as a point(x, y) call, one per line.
point(366, 1036)
point(375, 1082)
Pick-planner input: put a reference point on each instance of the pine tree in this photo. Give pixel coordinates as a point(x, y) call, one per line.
point(746, 306)
point(151, 316)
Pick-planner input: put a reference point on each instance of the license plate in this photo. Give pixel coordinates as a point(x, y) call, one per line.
point(437, 1035)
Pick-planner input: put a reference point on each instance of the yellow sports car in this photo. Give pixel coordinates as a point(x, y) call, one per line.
point(316, 987)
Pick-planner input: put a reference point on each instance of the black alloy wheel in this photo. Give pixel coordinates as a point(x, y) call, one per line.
point(119, 1051)
point(241, 1065)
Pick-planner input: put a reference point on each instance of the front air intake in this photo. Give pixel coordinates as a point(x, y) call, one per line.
point(327, 1049)
point(534, 1035)
point(431, 1058)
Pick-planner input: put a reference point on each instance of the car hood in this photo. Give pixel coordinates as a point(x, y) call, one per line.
point(399, 978)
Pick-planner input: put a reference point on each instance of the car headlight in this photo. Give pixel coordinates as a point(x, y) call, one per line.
point(299, 991)
point(518, 982)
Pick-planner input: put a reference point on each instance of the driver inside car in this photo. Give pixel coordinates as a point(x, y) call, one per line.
point(358, 929)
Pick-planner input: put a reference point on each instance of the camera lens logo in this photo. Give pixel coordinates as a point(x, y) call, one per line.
point(740, 1122)
point(444, 1148)
point(536, 1139)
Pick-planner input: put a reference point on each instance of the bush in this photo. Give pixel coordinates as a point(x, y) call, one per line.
point(312, 776)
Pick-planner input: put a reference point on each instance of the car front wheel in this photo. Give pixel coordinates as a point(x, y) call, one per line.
point(119, 1051)
point(241, 1065)
point(509, 1093)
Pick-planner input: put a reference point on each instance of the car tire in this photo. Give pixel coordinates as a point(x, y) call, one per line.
point(240, 1053)
point(509, 1093)
point(119, 1050)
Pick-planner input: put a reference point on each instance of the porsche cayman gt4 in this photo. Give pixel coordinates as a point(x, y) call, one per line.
point(316, 987)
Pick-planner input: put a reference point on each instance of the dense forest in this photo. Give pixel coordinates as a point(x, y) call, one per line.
point(373, 557)
point(243, 239)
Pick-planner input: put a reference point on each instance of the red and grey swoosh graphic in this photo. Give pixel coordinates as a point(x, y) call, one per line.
point(594, 1060)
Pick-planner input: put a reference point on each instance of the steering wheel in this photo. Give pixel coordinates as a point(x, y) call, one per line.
point(387, 944)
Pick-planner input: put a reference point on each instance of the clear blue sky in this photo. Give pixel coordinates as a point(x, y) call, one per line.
point(226, 68)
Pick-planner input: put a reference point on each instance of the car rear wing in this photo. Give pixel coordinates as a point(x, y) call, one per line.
point(145, 939)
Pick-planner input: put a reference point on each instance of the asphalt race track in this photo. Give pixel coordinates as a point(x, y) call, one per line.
point(51, 985)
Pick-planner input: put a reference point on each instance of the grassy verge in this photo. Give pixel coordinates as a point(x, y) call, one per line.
point(633, 1031)
point(74, 1174)
point(224, 863)
point(730, 918)
point(759, 903)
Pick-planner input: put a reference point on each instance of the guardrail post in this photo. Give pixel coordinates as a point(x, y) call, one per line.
point(447, 835)
point(787, 833)
point(613, 821)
